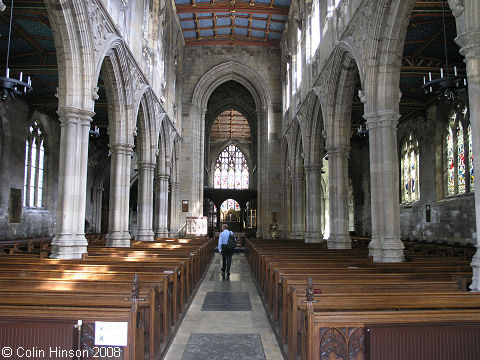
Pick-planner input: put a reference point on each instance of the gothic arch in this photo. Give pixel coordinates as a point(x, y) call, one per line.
point(231, 70)
point(74, 50)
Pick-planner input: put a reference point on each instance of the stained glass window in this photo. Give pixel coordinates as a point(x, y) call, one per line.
point(410, 170)
point(33, 182)
point(459, 159)
point(450, 162)
point(231, 170)
point(230, 211)
point(470, 158)
point(351, 217)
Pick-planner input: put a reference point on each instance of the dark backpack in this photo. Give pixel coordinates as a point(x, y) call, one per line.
point(231, 241)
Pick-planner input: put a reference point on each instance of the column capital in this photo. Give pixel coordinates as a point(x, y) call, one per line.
point(118, 147)
point(146, 165)
point(313, 168)
point(74, 115)
point(469, 43)
point(338, 150)
point(162, 176)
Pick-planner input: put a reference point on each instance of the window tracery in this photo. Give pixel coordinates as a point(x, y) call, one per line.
point(33, 183)
point(231, 169)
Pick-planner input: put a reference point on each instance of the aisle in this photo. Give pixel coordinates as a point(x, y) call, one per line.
point(226, 320)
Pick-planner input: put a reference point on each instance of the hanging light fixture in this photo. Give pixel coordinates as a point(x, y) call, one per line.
point(10, 87)
point(449, 85)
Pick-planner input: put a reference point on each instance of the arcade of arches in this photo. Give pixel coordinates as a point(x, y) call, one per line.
point(310, 117)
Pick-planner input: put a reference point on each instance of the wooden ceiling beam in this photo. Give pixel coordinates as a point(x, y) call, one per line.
point(228, 15)
point(228, 26)
point(240, 40)
point(25, 35)
point(434, 37)
point(227, 6)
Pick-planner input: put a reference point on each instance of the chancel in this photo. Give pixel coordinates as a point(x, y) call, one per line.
point(336, 139)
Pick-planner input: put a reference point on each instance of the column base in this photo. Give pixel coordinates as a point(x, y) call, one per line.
point(145, 235)
point(68, 246)
point(118, 239)
point(161, 233)
point(313, 238)
point(375, 249)
point(339, 241)
point(297, 235)
point(392, 250)
point(475, 286)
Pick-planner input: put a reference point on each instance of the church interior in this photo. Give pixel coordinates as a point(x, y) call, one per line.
point(335, 138)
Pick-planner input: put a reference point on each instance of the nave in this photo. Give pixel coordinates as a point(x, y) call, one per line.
point(226, 319)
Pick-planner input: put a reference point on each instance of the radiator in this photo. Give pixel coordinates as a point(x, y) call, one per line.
point(424, 342)
point(27, 339)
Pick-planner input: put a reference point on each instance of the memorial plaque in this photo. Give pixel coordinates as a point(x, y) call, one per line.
point(15, 206)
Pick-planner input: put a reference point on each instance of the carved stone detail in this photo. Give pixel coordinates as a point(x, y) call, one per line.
point(457, 7)
point(99, 25)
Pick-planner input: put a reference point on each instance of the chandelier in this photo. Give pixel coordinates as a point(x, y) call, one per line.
point(447, 86)
point(9, 87)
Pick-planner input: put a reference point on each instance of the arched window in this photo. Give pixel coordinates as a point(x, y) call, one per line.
point(298, 59)
point(458, 153)
point(231, 170)
point(315, 28)
point(410, 170)
point(33, 183)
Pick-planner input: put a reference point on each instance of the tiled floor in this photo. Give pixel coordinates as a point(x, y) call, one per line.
point(234, 332)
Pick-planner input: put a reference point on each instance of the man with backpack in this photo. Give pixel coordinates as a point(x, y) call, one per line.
point(226, 244)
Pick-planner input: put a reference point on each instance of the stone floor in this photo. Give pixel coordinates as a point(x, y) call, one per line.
point(226, 320)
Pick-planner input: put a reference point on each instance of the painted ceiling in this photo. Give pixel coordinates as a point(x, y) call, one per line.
point(233, 22)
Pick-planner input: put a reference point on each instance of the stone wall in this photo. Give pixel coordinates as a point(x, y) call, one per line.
point(452, 218)
point(34, 222)
point(265, 62)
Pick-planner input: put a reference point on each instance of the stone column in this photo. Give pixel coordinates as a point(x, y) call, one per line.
point(338, 189)
point(145, 201)
point(392, 246)
point(469, 43)
point(287, 209)
point(313, 233)
point(118, 234)
point(298, 207)
point(69, 241)
point(175, 210)
point(375, 246)
point(161, 213)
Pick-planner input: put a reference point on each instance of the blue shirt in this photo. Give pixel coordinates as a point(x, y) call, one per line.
point(223, 238)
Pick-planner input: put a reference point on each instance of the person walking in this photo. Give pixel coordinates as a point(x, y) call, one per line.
point(226, 252)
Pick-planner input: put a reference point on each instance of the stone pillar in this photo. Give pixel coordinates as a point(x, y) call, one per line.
point(375, 246)
point(298, 207)
point(69, 241)
point(313, 233)
point(338, 190)
point(469, 43)
point(287, 209)
point(392, 246)
point(145, 201)
point(175, 210)
point(161, 210)
point(118, 234)
point(386, 245)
